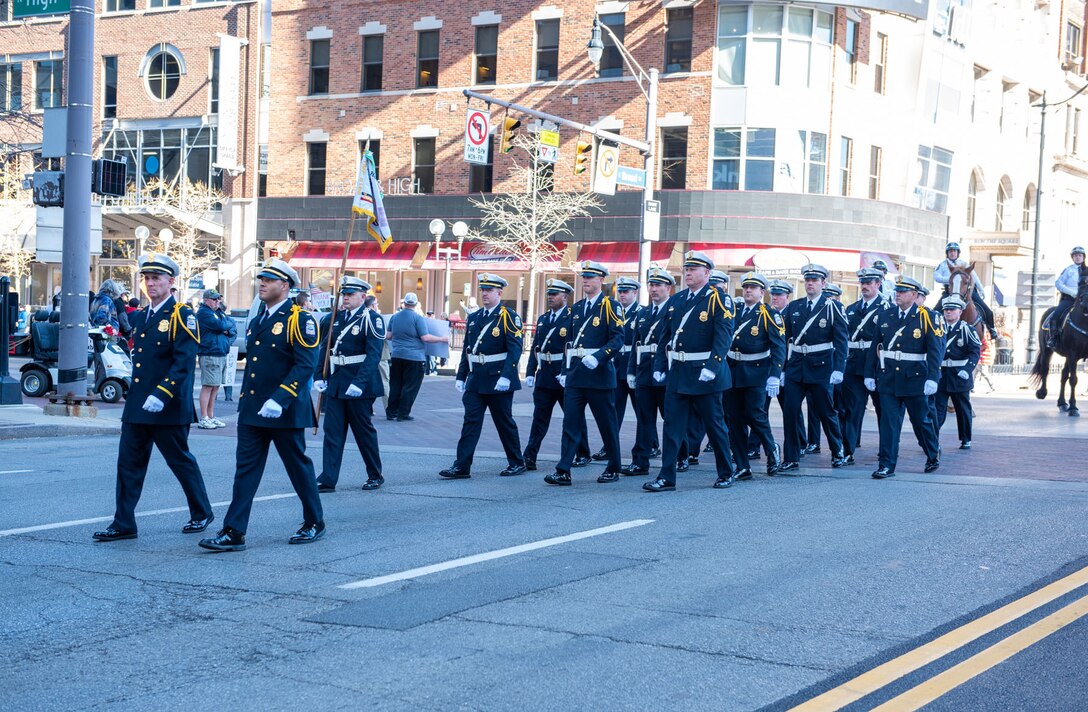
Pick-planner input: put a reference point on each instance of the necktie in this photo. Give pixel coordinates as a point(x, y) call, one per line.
point(811, 306)
point(653, 312)
point(264, 315)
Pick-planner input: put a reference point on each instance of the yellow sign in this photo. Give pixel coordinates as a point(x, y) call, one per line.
point(549, 138)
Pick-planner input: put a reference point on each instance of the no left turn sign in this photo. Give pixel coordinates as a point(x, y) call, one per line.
point(477, 129)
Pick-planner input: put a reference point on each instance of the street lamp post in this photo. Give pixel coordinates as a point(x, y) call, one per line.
point(437, 227)
point(460, 230)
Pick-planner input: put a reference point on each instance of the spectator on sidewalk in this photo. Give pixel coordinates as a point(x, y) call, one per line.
point(121, 305)
point(217, 332)
point(232, 360)
point(407, 334)
point(103, 308)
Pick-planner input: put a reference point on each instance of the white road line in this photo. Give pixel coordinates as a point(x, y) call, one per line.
point(95, 520)
point(13, 472)
point(497, 554)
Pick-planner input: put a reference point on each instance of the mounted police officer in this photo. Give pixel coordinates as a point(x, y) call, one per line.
point(159, 405)
point(1067, 284)
point(544, 368)
point(589, 375)
point(698, 330)
point(816, 331)
point(904, 366)
point(487, 378)
point(942, 273)
point(696, 428)
point(350, 380)
point(961, 355)
point(862, 317)
point(274, 408)
point(755, 363)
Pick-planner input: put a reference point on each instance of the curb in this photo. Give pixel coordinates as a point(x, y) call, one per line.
point(27, 431)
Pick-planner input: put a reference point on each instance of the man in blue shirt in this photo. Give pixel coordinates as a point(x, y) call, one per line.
point(408, 358)
point(217, 332)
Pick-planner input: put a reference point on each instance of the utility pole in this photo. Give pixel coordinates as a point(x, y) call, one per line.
point(1033, 311)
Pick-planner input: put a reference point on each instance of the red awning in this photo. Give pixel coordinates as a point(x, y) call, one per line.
point(478, 256)
point(622, 257)
point(363, 255)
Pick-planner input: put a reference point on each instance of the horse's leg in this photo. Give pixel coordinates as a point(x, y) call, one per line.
point(1043, 367)
point(1062, 405)
point(1073, 411)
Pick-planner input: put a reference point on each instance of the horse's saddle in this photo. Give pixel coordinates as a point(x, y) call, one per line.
point(1048, 326)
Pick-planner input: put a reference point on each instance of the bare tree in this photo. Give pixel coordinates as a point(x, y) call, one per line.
point(525, 224)
point(191, 208)
point(17, 220)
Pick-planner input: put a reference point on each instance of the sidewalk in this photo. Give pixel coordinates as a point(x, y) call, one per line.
point(28, 421)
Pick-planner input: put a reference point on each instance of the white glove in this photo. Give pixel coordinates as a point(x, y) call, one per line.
point(964, 375)
point(353, 391)
point(321, 386)
point(153, 405)
point(773, 385)
point(589, 362)
point(502, 385)
point(530, 381)
point(659, 376)
point(270, 409)
point(707, 375)
point(631, 382)
point(870, 383)
point(929, 388)
point(836, 378)
point(562, 381)
point(460, 386)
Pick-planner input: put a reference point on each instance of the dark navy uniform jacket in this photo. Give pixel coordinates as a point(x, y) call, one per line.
point(280, 358)
point(362, 334)
point(961, 353)
point(703, 336)
point(828, 326)
point(918, 336)
point(164, 350)
point(630, 321)
point(648, 331)
point(497, 339)
point(861, 330)
point(549, 339)
point(601, 334)
point(762, 331)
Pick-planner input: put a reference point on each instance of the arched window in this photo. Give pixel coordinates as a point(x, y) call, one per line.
point(162, 69)
point(1004, 190)
point(1029, 209)
point(972, 196)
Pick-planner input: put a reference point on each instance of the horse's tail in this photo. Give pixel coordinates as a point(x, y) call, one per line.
point(1041, 368)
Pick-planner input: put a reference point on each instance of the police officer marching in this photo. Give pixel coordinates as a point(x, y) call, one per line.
point(159, 405)
point(628, 310)
point(487, 377)
point(350, 380)
point(544, 368)
point(696, 428)
point(862, 317)
point(961, 355)
point(698, 331)
point(589, 375)
point(904, 366)
point(755, 364)
point(780, 292)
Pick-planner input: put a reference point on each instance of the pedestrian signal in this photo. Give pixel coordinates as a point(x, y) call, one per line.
point(509, 126)
point(581, 157)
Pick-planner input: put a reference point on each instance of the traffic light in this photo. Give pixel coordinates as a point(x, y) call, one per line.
point(109, 177)
point(581, 157)
point(509, 126)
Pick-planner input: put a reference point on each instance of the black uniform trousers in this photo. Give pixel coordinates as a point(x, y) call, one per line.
point(823, 408)
point(252, 454)
point(964, 414)
point(341, 414)
point(747, 414)
point(544, 402)
point(649, 403)
point(855, 396)
point(891, 426)
point(133, 455)
point(405, 379)
point(679, 409)
point(753, 439)
point(501, 406)
point(602, 404)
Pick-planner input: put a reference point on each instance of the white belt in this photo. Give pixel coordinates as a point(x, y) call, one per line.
point(644, 349)
point(549, 358)
point(899, 356)
point(810, 349)
point(346, 360)
point(682, 356)
point(738, 356)
point(578, 353)
point(626, 348)
point(486, 358)
point(954, 363)
point(859, 344)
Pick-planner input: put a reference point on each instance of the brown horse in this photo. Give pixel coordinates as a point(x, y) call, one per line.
point(961, 281)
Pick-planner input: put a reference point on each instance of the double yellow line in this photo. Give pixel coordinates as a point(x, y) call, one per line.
point(925, 692)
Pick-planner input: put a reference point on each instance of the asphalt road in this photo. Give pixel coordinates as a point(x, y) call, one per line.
point(498, 594)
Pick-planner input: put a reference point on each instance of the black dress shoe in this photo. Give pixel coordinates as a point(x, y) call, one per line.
point(580, 461)
point(226, 540)
point(693, 459)
point(111, 534)
point(965, 445)
point(744, 474)
point(374, 483)
point(632, 471)
point(812, 450)
point(850, 460)
point(681, 466)
point(322, 487)
point(308, 533)
point(883, 473)
point(453, 472)
point(406, 418)
point(558, 478)
point(655, 452)
point(753, 454)
point(530, 465)
point(659, 485)
point(390, 417)
point(774, 462)
point(607, 477)
point(600, 455)
point(512, 470)
point(931, 465)
point(195, 526)
point(788, 467)
point(838, 460)
point(709, 448)
point(727, 482)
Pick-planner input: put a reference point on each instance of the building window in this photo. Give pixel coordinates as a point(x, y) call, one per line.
point(846, 163)
point(109, 87)
point(375, 147)
point(743, 157)
point(1075, 144)
point(814, 171)
point(262, 170)
point(11, 87)
point(547, 50)
point(1074, 61)
point(163, 3)
point(315, 168)
point(934, 173)
point(163, 76)
point(1001, 205)
point(423, 164)
point(487, 53)
point(48, 83)
point(611, 59)
point(678, 28)
point(213, 82)
point(876, 158)
point(674, 158)
point(373, 54)
point(1028, 216)
point(319, 66)
point(880, 66)
point(427, 59)
point(850, 48)
point(45, 164)
point(479, 177)
point(972, 198)
point(787, 46)
point(119, 6)
point(165, 154)
point(266, 71)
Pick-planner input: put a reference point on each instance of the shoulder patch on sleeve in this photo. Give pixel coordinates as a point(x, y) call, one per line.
point(190, 321)
point(517, 321)
point(778, 319)
point(311, 327)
